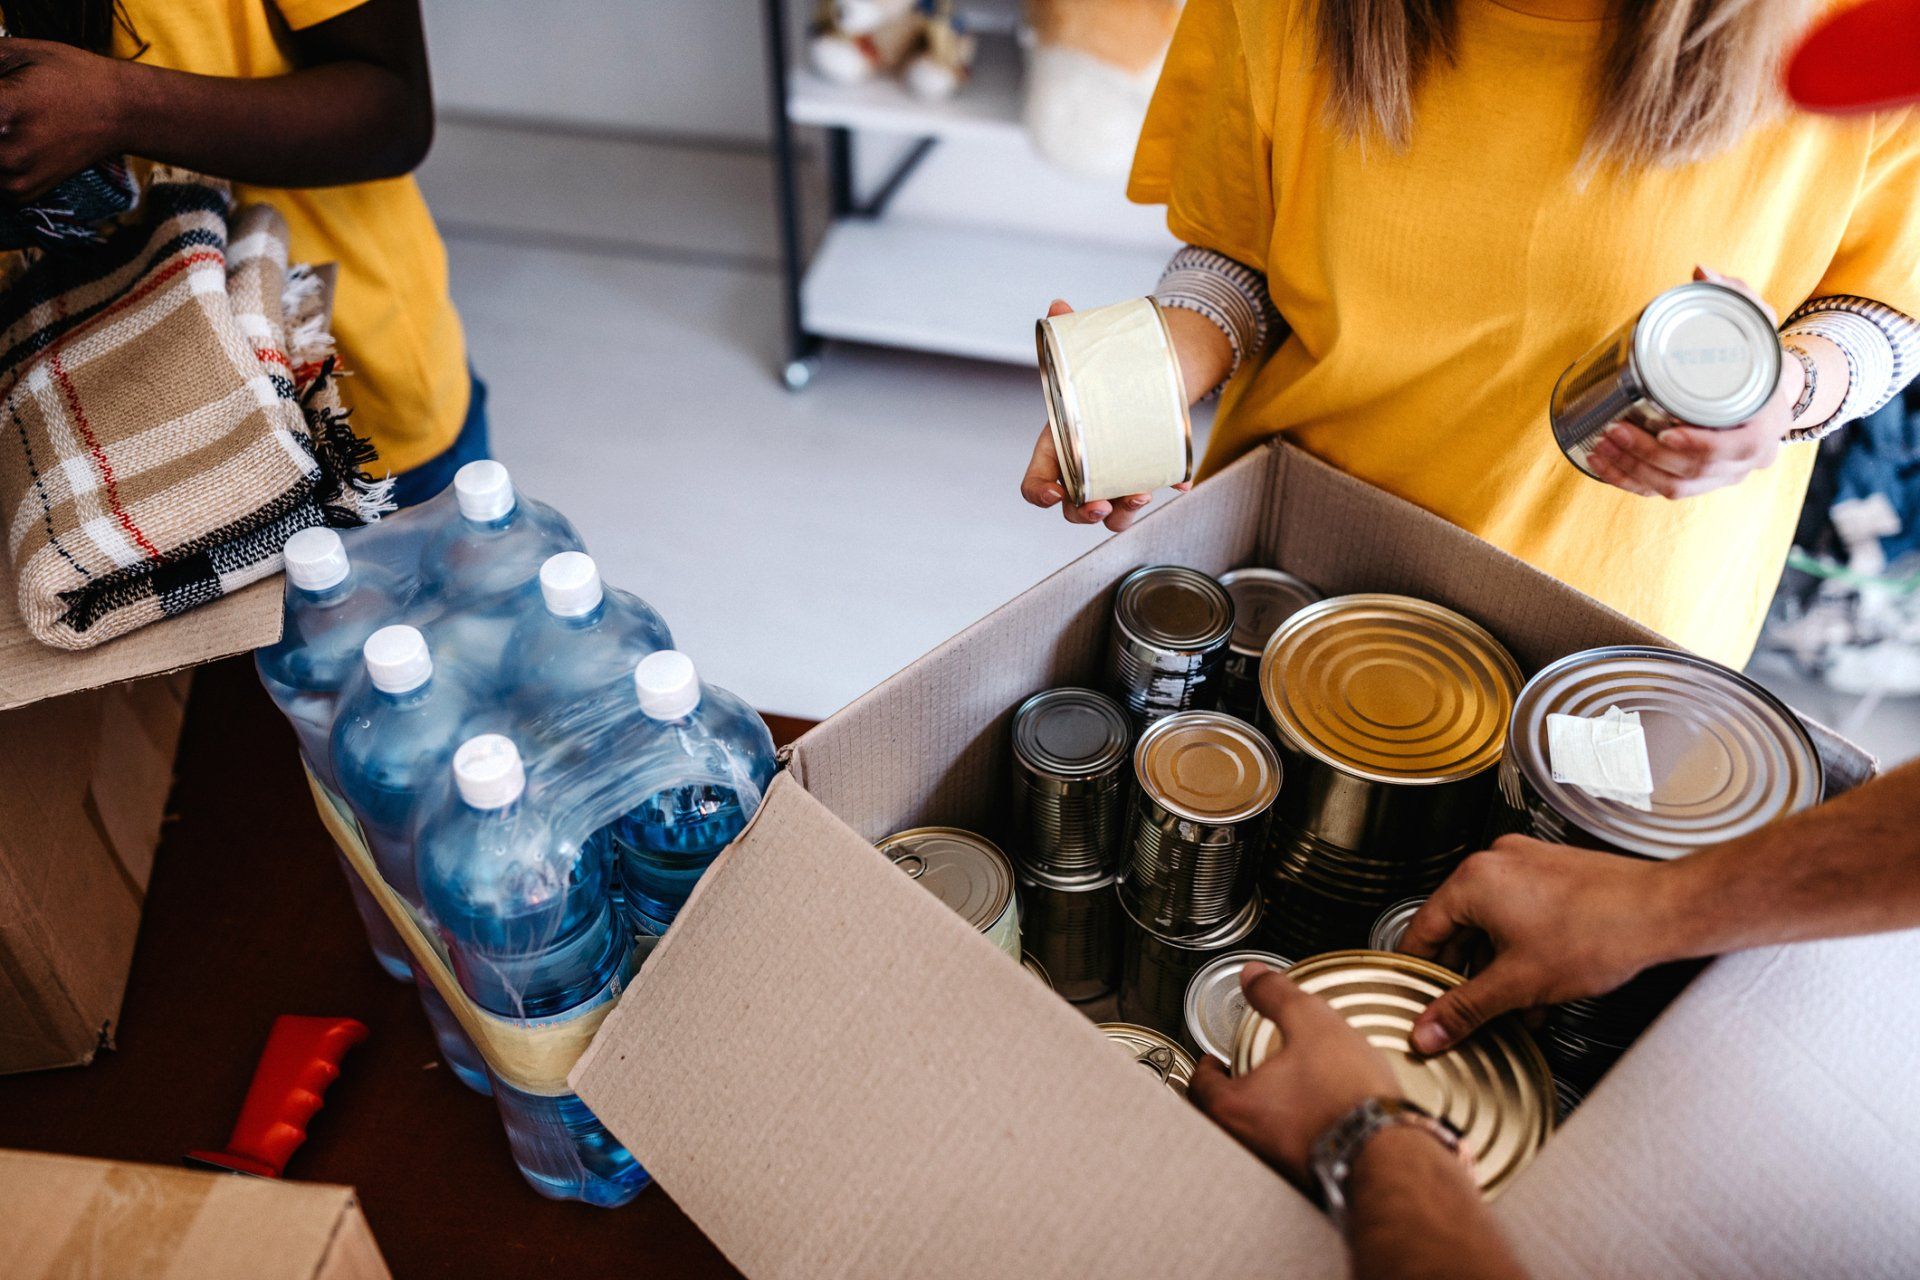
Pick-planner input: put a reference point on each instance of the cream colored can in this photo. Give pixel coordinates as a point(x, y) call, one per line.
point(1116, 402)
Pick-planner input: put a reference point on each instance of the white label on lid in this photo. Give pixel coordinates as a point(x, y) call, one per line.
point(1605, 756)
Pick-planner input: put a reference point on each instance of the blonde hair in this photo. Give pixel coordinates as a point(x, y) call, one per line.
point(1679, 80)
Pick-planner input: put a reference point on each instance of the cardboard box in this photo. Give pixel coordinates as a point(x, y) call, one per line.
point(833, 1075)
point(86, 748)
point(62, 1217)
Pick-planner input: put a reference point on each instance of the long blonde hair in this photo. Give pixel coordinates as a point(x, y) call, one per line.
point(1679, 80)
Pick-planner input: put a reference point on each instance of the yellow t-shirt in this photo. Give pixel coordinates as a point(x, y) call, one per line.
point(1436, 294)
point(397, 331)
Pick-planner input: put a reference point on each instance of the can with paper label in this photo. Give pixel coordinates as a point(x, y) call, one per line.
point(1116, 401)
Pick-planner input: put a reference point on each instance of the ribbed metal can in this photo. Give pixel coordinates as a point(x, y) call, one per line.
point(1391, 927)
point(1494, 1088)
point(1155, 1051)
point(1072, 927)
point(1198, 826)
point(1156, 969)
point(1262, 600)
point(1701, 354)
point(1215, 1005)
point(966, 871)
point(1391, 715)
point(1170, 631)
point(1070, 753)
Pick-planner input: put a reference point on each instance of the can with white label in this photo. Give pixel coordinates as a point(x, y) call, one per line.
point(1701, 354)
point(1116, 401)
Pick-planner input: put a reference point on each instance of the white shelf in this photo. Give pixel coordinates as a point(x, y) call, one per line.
point(987, 106)
point(969, 291)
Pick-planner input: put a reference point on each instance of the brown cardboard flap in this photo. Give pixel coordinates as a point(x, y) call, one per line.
point(64, 1217)
point(30, 671)
point(833, 1074)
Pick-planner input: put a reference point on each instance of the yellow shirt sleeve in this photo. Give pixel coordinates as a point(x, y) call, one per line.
point(301, 14)
point(1879, 253)
point(1205, 151)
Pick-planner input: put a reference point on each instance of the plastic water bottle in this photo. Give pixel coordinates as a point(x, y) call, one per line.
point(581, 646)
point(478, 570)
point(703, 758)
point(332, 606)
point(532, 936)
point(391, 743)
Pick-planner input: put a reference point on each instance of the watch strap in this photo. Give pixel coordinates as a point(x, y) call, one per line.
point(1333, 1154)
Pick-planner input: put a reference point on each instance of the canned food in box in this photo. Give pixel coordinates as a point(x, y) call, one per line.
point(1156, 969)
point(1171, 626)
point(1154, 1051)
point(1070, 749)
point(1073, 928)
point(1262, 600)
point(1215, 1004)
point(968, 873)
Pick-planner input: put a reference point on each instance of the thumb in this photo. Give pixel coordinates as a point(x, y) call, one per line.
point(1458, 1013)
point(1058, 308)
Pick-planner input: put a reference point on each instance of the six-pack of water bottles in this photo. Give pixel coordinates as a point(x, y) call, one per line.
point(527, 780)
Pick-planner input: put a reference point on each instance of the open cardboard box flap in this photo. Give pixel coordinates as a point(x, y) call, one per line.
point(832, 1074)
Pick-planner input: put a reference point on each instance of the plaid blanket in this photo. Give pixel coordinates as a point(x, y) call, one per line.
point(71, 214)
point(170, 416)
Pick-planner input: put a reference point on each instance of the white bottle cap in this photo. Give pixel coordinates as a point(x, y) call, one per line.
point(668, 686)
point(397, 659)
point(484, 490)
point(570, 584)
point(488, 772)
point(316, 559)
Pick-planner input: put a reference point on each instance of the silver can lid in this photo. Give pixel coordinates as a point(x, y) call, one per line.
point(1707, 354)
point(1727, 757)
point(1156, 1052)
point(1072, 733)
point(966, 871)
point(1172, 607)
point(1392, 924)
point(1215, 1004)
point(1262, 600)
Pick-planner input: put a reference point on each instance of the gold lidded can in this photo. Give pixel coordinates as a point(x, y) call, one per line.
point(1215, 1004)
point(1262, 599)
point(1171, 626)
point(1494, 1087)
point(1070, 752)
point(1116, 400)
point(1154, 1051)
point(1038, 970)
point(1072, 927)
point(968, 873)
point(1702, 354)
point(1199, 824)
point(1391, 927)
point(1157, 968)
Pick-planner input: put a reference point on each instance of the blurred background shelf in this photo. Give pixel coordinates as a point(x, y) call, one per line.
point(988, 107)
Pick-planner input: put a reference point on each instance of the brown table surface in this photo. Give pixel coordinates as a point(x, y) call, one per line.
point(247, 918)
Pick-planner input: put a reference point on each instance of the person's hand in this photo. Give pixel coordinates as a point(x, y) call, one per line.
point(1685, 461)
point(1562, 923)
point(58, 114)
point(1043, 487)
point(1323, 1070)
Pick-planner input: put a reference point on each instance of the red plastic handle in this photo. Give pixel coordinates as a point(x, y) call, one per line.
point(1865, 57)
point(302, 1058)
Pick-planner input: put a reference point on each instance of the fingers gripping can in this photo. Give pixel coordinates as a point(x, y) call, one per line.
point(1701, 354)
point(1215, 1004)
point(1116, 401)
point(1156, 968)
point(1171, 627)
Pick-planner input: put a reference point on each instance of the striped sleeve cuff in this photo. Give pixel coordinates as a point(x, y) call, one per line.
point(1229, 293)
point(1881, 345)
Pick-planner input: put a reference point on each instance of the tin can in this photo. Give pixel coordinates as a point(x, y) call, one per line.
point(1154, 1051)
point(1215, 1004)
point(1392, 924)
point(1072, 927)
point(1391, 715)
point(1494, 1088)
point(1727, 756)
point(1070, 750)
point(1262, 600)
point(1171, 626)
point(1116, 401)
point(1700, 354)
point(1199, 822)
point(968, 873)
point(1034, 967)
point(1156, 969)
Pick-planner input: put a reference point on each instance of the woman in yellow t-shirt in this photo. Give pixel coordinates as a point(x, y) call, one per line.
point(1433, 208)
point(318, 107)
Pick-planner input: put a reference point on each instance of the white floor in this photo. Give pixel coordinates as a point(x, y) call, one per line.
point(621, 299)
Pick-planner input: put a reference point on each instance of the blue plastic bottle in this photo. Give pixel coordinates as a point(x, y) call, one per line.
point(332, 606)
point(579, 648)
point(391, 743)
point(703, 759)
point(533, 937)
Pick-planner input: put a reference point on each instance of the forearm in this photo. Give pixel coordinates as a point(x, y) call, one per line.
point(1831, 377)
point(1850, 866)
point(328, 125)
point(1414, 1214)
point(1205, 355)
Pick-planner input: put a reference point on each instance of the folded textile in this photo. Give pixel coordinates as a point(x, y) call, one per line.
point(71, 215)
point(170, 416)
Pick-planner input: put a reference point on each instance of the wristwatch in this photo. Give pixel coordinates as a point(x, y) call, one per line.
point(1333, 1153)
